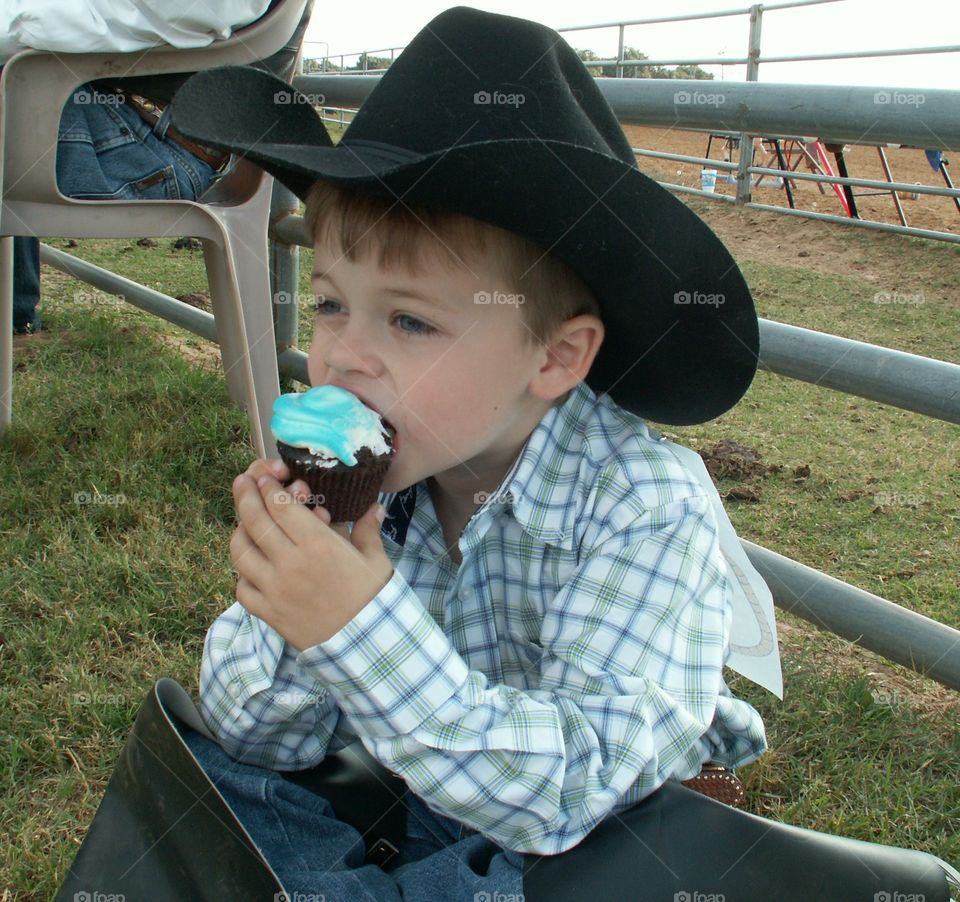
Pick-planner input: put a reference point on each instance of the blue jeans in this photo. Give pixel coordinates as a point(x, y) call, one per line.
point(312, 852)
point(105, 151)
point(26, 284)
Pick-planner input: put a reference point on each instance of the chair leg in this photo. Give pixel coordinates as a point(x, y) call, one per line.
point(6, 331)
point(238, 273)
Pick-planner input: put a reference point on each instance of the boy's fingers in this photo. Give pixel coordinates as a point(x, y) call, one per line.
point(244, 554)
point(282, 508)
point(299, 489)
point(366, 531)
point(341, 529)
point(249, 596)
point(254, 516)
point(272, 467)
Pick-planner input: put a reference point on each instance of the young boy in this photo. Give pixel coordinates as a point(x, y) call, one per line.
point(533, 637)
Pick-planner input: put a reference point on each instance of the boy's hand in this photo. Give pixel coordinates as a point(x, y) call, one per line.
point(303, 576)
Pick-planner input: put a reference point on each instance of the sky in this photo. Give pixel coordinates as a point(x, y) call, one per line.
point(841, 26)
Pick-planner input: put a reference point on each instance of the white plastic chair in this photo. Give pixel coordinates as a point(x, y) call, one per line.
point(231, 219)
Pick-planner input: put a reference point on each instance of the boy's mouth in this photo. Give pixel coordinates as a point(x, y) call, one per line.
point(394, 435)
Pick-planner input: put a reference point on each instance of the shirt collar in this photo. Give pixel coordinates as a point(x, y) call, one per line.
point(541, 487)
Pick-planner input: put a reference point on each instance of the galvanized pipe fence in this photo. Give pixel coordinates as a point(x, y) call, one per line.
point(908, 381)
point(687, 92)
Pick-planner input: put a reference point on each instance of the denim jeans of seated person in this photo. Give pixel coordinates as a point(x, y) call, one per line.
point(105, 151)
point(313, 853)
point(26, 284)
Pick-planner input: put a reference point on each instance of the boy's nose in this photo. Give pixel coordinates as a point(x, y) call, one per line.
point(348, 351)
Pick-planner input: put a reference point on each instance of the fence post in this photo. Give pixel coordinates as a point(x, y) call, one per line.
point(619, 71)
point(746, 141)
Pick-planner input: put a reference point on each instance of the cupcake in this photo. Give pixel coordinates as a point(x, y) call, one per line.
point(337, 445)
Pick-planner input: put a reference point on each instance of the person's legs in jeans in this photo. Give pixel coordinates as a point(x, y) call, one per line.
point(313, 852)
point(295, 829)
point(105, 151)
point(442, 859)
point(26, 284)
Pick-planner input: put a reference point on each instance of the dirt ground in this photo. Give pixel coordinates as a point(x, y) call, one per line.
point(907, 165)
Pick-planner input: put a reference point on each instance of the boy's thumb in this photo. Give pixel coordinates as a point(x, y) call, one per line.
point(366, 531)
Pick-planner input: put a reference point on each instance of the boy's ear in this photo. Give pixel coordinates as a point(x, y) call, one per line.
point(568, 356)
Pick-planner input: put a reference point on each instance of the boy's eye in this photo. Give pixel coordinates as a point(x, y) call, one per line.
point(325, 306)
point(412, 325)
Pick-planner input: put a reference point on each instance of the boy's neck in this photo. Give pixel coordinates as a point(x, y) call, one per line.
point(454, 495)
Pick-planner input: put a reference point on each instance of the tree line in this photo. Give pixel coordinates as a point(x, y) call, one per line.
point(366, 62)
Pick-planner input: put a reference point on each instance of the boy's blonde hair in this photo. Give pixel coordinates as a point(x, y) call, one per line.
point(414, 237)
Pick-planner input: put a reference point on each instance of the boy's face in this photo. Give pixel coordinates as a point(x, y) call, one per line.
point(449, 372)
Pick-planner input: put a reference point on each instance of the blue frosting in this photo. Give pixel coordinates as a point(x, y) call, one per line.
point(329, 421)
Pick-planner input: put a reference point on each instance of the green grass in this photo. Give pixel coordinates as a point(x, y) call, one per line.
point(115, 514)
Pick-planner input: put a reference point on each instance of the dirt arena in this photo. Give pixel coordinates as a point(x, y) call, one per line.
point(907, 165)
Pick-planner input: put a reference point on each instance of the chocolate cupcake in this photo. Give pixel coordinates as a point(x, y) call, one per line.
point(337, 445)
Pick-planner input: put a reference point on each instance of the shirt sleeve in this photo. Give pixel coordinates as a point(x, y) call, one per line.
point(263, 707)
point(632, 649)
point(98, 26)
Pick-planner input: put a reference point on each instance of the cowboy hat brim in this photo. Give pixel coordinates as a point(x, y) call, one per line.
point(681, 338)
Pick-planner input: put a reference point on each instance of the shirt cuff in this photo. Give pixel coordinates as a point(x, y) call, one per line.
point(391, 667)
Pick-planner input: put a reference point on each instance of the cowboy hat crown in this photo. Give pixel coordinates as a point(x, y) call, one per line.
point(497, 118)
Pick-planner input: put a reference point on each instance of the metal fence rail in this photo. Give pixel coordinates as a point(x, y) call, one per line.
point(933, 139)
point(831, 113)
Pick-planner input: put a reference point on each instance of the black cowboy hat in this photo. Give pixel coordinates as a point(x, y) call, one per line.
point(497, 118)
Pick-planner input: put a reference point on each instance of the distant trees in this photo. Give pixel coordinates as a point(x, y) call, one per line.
point(313, 65)
point(370, 62)
point(631, 53)
point(366, 62)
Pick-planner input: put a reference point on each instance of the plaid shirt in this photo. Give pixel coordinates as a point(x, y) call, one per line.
point(567, 668)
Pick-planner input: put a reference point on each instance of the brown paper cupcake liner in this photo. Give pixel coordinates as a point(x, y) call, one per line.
point(346, 492)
